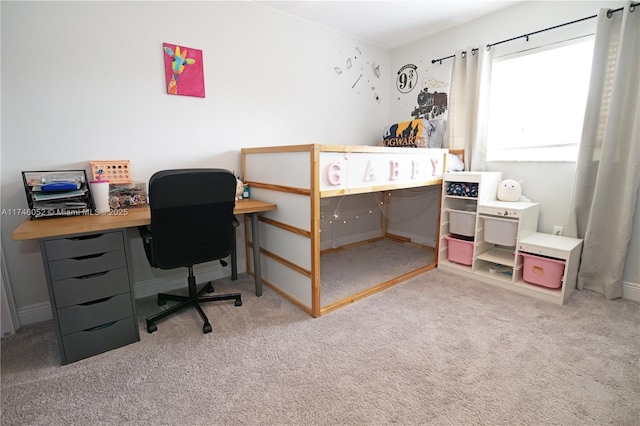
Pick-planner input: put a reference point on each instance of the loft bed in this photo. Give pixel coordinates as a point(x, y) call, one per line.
point(313, 186)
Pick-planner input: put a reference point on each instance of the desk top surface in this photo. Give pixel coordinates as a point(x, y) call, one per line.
point(116, 219)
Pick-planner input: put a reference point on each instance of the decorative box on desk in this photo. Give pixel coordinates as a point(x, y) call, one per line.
point(124, 195)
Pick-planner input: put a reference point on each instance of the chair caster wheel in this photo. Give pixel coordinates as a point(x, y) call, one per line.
point(238, 302)
point(151, 328)
point(206, 328)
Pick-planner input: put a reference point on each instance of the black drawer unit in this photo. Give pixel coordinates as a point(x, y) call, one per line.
point(90, 292)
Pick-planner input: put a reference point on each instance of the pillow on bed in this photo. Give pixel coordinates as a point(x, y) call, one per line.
point(454, 163)
point(410, 134)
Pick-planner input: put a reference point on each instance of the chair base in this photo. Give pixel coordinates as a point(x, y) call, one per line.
point(193, 300)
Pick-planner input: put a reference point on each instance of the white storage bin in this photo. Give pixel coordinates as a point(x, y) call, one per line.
point(462, 222)
point(500, 231)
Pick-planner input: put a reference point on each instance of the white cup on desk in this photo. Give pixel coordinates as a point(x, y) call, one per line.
point(100, 195)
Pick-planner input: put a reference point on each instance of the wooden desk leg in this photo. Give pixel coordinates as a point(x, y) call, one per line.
point(256, 253)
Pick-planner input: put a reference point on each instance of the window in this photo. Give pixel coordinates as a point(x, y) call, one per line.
point(537, 103)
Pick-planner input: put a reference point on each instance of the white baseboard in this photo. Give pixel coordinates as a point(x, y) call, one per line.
point(32, 314)
point(631, 291)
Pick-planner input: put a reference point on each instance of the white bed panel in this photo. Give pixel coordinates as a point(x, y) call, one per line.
point(292, 209)
point(347, 170)
point(279, 168)
point(293, 247)
point(286, 279)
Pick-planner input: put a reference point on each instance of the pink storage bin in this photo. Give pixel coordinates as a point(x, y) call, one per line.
point(460, 251)
point(542, 271)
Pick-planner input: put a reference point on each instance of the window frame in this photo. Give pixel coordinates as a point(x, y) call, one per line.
point(542, 152)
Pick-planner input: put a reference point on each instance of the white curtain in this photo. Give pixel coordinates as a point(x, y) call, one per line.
point(469, 105)
point(608, 168)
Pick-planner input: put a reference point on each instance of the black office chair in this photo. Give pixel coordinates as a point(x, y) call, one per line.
point(192, 222)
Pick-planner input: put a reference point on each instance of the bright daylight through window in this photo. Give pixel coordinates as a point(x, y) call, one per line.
point(537, 103)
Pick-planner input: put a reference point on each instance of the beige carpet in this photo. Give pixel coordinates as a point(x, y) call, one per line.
point(435, 350)
point(344, 273)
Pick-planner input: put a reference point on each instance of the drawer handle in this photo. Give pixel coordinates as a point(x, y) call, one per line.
point(86, 237)
point(97, 274)
point(100, 327)
point(88, 256)
point(93, 302)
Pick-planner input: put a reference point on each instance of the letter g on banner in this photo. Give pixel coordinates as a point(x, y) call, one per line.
point(334, 173)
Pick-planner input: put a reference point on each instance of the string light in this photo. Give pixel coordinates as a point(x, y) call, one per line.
point(382, 201)
point(336, 216)
point(337, 219)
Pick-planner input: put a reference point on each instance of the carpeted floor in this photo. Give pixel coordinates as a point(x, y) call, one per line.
point(435, 350)
point(344, 273)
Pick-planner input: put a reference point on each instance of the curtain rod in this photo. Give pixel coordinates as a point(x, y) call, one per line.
point(473, 51)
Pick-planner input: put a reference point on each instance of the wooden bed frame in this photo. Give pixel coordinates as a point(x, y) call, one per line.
point(297, 178)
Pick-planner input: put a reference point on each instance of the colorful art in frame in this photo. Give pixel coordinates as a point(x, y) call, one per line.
point(184, 70)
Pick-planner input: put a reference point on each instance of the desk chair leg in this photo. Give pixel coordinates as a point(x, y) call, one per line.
point(194, 299)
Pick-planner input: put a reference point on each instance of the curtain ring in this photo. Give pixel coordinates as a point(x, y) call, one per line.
point(609, 13)
point(632, 7)
point(464, 54)
point(473, 51)
point(526, 36)
point(488, 47)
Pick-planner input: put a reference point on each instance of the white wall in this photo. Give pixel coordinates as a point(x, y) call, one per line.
point(549, 184)
point(84, 81)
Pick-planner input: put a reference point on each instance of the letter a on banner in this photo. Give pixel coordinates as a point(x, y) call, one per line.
point(370, 173)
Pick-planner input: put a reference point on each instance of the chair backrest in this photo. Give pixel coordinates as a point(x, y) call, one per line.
point(191, 216)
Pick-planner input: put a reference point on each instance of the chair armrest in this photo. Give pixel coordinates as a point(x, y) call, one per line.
point(147, 243)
